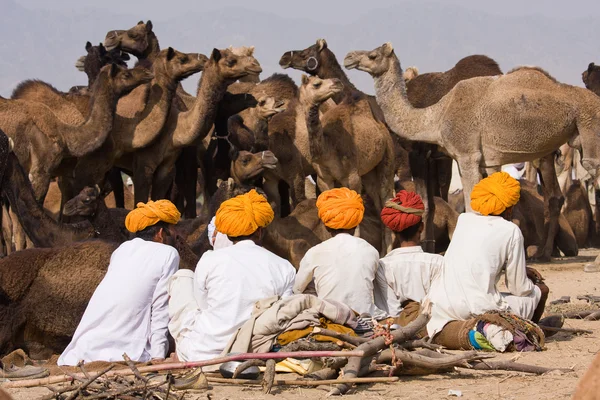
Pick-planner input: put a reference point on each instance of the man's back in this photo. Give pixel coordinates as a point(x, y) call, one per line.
point(118, 316)
point(343, 269)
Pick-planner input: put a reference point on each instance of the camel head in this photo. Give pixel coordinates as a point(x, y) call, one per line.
point(375, 62)
point(245, 52)
point(315, 90)
point(308, 60)
point(246, 166)
point(84, 204)
point(230, 66)
point(591, 78)
point(134, 40)
point(176, 66)
point(97, 57)
point(123, 80)
point(268, 106)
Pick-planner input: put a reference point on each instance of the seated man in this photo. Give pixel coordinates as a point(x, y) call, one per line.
point(227, 282)
point(409, 271)
point(344, 267)
point(486, 245)
point(128, 312)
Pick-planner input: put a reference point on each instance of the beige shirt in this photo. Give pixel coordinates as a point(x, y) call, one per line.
point(344, 269)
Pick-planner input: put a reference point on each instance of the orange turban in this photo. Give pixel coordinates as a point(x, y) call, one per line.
point(494, 194)
point(148, 214)
point(340, 208)
point(243, 214)
point(403, 211)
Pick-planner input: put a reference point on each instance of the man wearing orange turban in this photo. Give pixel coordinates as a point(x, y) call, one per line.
point(409, 271)
point(484, 246)
point(128, 311)
point(344, 268)
point(207, 306)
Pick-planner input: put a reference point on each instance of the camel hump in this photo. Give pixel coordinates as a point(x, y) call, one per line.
point(31, 85)
point(478, 65)
point(533, 68)
point(280, 86)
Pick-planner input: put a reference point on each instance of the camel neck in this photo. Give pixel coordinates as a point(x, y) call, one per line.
point(331, 69)
point(417, 124)
point(196, 123)
point(153, 48)
point(104, 224)
point(314, 129)
point(85, 138)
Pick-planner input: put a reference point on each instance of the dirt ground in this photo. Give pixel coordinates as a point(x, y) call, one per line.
point(565, 277)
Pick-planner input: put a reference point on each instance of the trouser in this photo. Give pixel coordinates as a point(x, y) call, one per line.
point(182, 305)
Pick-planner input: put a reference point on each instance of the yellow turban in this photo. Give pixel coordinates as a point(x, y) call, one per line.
point(340, 208)
point(150, 213)
point(494, 194)
point(244, 214)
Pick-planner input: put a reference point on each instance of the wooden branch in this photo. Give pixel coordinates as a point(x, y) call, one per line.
point(323, 374)
point(269, 377)
point(305, 345)
point(120, 392)
point(373, 346)
point(595, 316)
point(193, 364)
point(513, 366)
point(87, 383)
point(578, 314)
point(134, 369)
point(355, 340)
point(247, 364)
point(304, 382)
point(420, 343)
point(433, 364)
point(568, 330)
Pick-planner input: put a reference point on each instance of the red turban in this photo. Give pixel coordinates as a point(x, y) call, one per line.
point(403, 211)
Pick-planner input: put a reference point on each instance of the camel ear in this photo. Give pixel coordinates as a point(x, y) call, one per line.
point(141, 23)
point(304, 79)
point(388, 49)
point(113, 70)
point(250, 51)
point(88, 47)
point(591, 67)
point(170, 53)
point(321, 44)
point(149, 26)
point(234, 153)
point(102, 49)
point(97, 189)
point(216, 55)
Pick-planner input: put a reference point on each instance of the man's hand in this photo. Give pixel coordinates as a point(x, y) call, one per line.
point(534, 275)
point(155, 361)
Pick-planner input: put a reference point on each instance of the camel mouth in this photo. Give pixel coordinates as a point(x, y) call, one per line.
point(350, 62)
point(269, 161)
point(254, 70)
point(285, 61)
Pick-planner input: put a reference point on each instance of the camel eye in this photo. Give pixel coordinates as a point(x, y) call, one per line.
point(231, 63)
point(87, 200)
point(372, 56)
point(317, 85)
point(261, 103)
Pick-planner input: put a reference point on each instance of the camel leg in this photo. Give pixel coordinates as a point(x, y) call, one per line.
point(7, 229)
point(19, 235)
point(298, 190)
point(284, 195)
point(67, 192)
point(186, 176)
point(553, 201)
point(116, 183)
point(163, 179)
point(470, 175)
point(142, 182)
point(271, 188)
point(444, 173)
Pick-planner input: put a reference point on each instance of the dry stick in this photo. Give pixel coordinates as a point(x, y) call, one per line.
point(269, 376)
point(247, 364)
point(416, 360)
point(372, 347)
point(115, 393)
point(595, 316)
point(568, 330)
point(578, 314)
point(355, 340)
point(87, 383)
point(420, 343)
point(304, 383)
point(131, 365)
point(193, 364)
point(513, 366)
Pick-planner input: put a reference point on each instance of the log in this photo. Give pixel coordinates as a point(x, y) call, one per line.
point(567, 330)
point(355, 340)
point(372, 347)
point(513, 366)
point(192, 364)
point(578, 314)
point(303, 382)
point(433, 364)
point(595, 316)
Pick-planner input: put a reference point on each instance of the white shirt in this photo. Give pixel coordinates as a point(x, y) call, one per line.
point(128, 312)
point(217, 239)
point(482, 248)
point(409, 272)
point(227, 283)
point(345, 269)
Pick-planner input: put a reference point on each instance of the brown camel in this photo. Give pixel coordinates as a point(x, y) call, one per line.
point(591, 78)
point(340, 152)
point(153, 165)
point(487, 122)
point(588, 387)
point(96, 58)
point(578, 212)
point(43, 141)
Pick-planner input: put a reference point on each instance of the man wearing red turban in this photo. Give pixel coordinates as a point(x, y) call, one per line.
point(408, 269)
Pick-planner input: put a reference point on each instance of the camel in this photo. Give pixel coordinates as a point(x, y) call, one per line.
point(410, 73)
point(43, 141)
point(591, 78)
point(486, 122)
point(338, 152)
point(96, 58)
point(153, 165)
point(588, 387)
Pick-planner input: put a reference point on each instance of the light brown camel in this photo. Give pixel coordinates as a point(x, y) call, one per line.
point(339, 150)
point(153, 165)
point(588, 387)
point(487, 122)
point(591, 78)
point(43, 141)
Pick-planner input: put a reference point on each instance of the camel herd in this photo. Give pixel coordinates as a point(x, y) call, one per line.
point(68, 151)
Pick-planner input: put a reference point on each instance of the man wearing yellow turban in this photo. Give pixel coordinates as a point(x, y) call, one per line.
point(484, 246)
point(128, 311)
point(207, 306)
point(344, 268)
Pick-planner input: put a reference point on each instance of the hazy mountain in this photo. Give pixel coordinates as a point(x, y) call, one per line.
point(44, 43)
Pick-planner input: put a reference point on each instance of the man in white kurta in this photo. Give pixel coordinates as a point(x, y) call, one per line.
point(208, 306)
point(344, 268)
point(409, 271)
point(128, 312)
point(483, 248)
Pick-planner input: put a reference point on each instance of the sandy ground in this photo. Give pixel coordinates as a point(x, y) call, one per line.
point(565, 277)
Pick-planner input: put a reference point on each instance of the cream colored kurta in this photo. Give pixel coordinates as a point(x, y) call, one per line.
point(207, 308)
point(128, 312)
point(345, 269)
point(483, 248)
point(409, 272)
